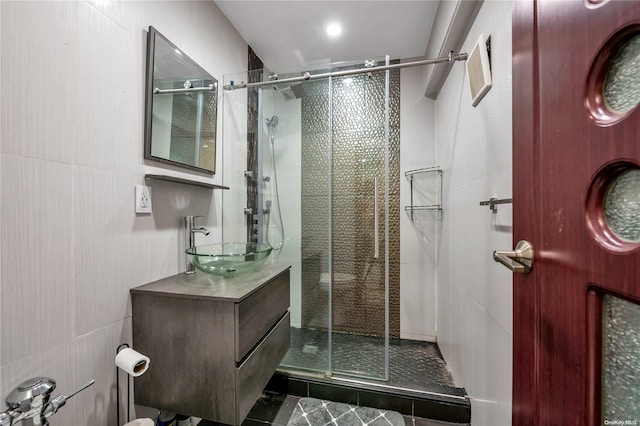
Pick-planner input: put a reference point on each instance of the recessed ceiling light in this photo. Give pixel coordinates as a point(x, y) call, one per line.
point(334, 29)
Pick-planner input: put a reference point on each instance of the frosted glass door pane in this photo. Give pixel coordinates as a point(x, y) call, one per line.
point(621, 87)
point(622, 206)
point(621, 361)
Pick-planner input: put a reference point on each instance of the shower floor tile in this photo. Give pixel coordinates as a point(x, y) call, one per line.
point(413, 365)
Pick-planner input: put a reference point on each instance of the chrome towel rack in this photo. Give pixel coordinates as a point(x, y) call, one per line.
point(493, 203)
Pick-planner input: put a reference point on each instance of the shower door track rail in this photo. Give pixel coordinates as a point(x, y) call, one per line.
point(307, 76)
point(309, 375)
point(397, 388)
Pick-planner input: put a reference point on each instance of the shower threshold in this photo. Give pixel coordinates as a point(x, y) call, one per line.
point(419, 383)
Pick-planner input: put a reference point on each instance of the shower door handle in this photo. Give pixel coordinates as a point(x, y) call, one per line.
point(376, 224)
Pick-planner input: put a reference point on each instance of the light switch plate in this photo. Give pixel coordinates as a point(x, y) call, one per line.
point(143, 199)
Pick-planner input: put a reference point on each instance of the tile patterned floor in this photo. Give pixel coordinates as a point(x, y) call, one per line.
point(275, 409)
point(312, 411)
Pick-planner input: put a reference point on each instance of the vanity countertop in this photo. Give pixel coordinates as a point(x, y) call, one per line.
point(204, 286)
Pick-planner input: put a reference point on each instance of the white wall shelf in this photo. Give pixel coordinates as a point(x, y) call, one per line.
point(430, 184)
point(175, 179)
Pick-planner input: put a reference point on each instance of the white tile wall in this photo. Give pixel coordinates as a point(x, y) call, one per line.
point(93, 354)
point(234, 122)
point(234, 128)
point(417, 237)
point(417, 309)
point(37, 256)
point(55, 362)
point(475, 293)
point(288, 151)
point(71, 245)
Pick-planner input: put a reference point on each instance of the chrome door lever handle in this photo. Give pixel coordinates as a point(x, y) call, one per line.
point(519, 260)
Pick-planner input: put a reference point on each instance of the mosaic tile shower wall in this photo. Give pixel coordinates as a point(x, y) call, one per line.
point(358, 156)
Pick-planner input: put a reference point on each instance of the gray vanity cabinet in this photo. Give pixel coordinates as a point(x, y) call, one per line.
point(213, 342)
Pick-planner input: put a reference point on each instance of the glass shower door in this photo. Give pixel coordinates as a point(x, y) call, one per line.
point(324, 180)
point(360, 224)
point(295, 133)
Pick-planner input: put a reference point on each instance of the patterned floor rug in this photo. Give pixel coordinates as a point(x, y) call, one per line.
point(315, 412)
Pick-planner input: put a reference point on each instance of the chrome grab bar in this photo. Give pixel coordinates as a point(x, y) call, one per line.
point(376, 221)
point(519, 260)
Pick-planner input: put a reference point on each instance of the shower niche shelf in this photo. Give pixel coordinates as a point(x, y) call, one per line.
point(428, 183)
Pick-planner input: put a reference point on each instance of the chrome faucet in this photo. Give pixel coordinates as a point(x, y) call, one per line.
point(190, 231)
point(29, 402)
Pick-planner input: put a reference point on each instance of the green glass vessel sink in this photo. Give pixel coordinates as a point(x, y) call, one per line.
point(228, 259)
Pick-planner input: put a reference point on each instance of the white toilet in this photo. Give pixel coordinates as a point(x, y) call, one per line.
point(140, 422)
point(341, 280)
point(344, 290)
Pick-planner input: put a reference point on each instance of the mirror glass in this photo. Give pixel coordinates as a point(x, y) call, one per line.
point(181, 108)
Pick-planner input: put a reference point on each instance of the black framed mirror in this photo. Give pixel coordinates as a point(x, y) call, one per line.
point(181, 108)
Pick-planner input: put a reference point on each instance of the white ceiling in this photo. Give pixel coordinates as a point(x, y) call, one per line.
point(290, 35)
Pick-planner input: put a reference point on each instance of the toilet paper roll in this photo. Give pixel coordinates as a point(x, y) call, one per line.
point(132, 362)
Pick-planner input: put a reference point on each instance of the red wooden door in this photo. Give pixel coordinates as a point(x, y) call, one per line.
point(569, 148)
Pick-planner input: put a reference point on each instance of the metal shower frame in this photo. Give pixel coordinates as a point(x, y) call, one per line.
point(369, 67)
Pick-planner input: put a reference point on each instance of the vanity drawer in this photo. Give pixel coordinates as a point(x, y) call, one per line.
point(256, 314)
point(254, 373)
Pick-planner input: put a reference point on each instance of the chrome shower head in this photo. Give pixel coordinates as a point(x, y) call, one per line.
point(273, 122)
point(295, 91)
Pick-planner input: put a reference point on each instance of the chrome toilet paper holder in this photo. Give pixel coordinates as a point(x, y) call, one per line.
point(139, 365)
point(118, 349)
